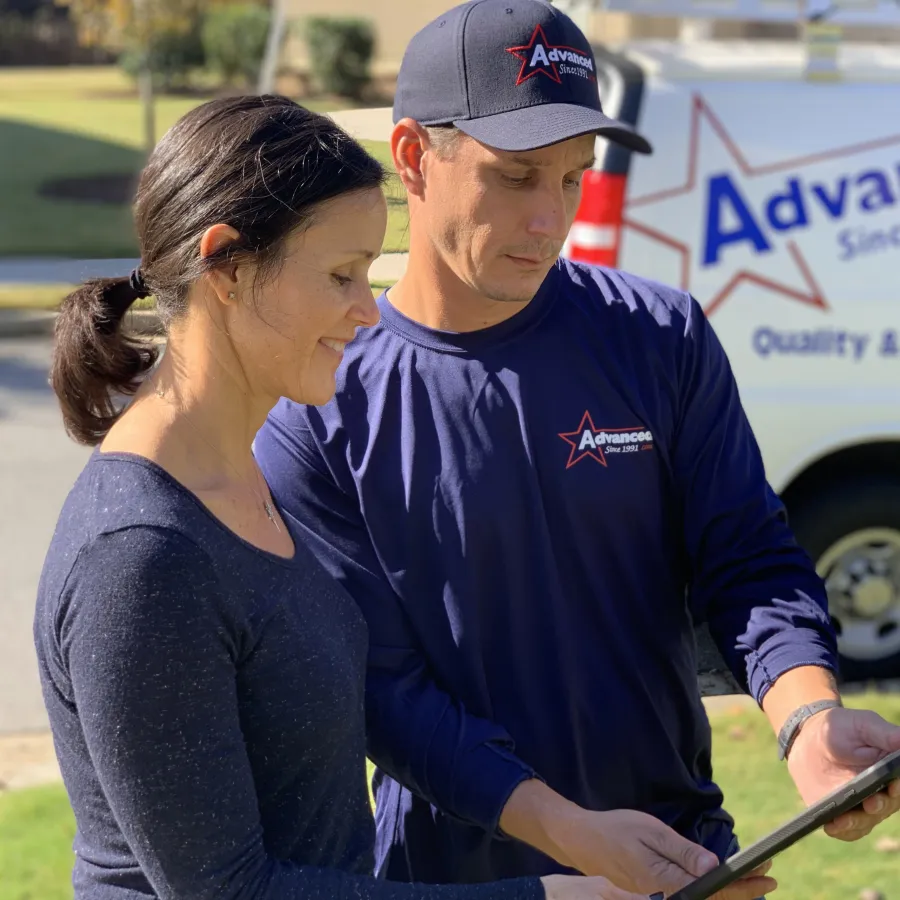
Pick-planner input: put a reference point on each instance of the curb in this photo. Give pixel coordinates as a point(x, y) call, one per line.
point(26, 323)
point(16, 323)
point(27, 759)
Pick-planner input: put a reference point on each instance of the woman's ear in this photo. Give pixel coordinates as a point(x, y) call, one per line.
point(222, 279)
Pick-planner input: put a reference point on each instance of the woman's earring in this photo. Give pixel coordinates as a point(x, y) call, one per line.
point(231, 295)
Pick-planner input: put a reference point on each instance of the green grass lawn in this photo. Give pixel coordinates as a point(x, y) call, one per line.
point(36, 831)
point(36, 826)
point(760, 795)
point(396, 240)
point(32, 296)
point(78, 122)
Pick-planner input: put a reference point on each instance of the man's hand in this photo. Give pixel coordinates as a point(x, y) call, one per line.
point(635, 851)
point(576, 887)
point(639, 853)
point(832, 748)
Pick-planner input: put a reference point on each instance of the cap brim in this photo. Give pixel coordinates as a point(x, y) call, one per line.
point(540, 126)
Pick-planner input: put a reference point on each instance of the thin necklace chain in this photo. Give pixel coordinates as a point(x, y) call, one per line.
point(266, 505)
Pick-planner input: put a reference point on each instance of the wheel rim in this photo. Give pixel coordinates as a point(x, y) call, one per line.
point(862, 576)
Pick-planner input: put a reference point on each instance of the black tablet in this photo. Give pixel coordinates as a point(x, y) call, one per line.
point(826, 810)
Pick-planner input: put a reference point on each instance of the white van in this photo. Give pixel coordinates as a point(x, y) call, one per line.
point(775, 201)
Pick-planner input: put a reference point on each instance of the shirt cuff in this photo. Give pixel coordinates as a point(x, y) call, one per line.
point(785, 651)
point(484, 786)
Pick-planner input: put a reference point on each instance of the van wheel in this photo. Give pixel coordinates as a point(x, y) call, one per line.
point(852, 533)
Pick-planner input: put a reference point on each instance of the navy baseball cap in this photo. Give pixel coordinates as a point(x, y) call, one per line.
point(513, 74)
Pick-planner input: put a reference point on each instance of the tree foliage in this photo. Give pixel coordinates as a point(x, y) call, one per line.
point(117, 23)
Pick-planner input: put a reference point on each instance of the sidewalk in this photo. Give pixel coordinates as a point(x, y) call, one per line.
point(366, 124)
point(27, 760)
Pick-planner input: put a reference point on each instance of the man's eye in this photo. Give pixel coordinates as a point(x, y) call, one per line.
point(572, 182)
point(342, 280)
point(514, 182)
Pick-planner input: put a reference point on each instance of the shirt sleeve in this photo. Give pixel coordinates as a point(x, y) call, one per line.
point(758, 590)
point(421, 736)
point(151, 652)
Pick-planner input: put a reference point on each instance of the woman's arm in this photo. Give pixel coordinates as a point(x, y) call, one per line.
point(151, 649)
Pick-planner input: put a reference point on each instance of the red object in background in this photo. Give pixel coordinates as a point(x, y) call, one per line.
point(595, 233)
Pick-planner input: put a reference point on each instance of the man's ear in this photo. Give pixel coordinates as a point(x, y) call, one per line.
point(409, 143)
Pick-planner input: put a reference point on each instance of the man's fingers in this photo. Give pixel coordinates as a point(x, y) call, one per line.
point(876, 804)
point(851, 829)
point(885, 802)
point(764, 869)
point(844, 824)
point(577, 887)
point(675, 877)
point(751, 888)
point(748, 888)
point(669, 877)
point(850, 837)
point(877, 732)
point(875, 809)
point(691, 857)
point(606, 890)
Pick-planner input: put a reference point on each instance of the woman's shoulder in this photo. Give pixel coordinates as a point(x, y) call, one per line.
point(122, 511)
point(118, 492)
point(130, 581)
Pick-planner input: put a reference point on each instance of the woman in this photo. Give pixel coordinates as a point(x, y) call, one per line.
point(203, 675)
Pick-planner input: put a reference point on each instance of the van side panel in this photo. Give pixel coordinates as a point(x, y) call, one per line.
point(777, 204)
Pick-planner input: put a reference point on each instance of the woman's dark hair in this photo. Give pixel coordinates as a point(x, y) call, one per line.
point(261, 164)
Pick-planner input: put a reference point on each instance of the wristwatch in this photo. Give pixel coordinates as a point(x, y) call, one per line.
point(794, 723)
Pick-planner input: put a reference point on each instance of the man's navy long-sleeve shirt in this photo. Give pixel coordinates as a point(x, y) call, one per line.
point(530, 517)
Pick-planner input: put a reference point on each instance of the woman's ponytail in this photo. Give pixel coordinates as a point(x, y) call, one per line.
point(261, 164)
point(95, 363)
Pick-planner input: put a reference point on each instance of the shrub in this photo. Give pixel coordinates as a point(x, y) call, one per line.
point(174, 54)
point(340, 53)
point(234, 39)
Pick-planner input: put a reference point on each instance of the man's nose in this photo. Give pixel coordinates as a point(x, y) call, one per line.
point(548, 217)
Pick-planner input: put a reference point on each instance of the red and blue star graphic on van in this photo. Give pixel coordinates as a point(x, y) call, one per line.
point(540, 57)
point(589, 442)
point(755, 215)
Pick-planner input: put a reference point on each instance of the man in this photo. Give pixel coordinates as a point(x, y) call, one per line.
point(534, 477)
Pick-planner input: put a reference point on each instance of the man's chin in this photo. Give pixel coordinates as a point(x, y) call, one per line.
point(520, 289)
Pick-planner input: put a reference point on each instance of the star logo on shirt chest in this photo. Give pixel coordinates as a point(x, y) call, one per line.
point(590, 442)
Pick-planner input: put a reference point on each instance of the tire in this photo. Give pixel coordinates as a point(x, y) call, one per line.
point(852, 533)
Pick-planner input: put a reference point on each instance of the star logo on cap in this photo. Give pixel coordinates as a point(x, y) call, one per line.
point(540, 56)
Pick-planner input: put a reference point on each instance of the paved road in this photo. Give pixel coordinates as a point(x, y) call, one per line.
point(38, 464)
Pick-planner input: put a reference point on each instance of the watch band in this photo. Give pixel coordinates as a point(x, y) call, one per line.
point(794, 723)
